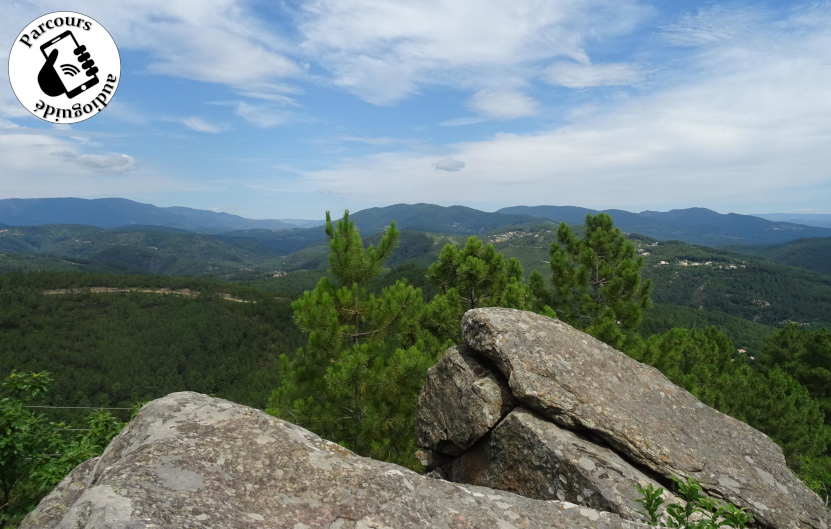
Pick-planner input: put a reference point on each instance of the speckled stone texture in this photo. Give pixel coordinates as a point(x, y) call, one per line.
point(192, 461)
point(582, 383)
point(460, 402)
point(52, 508)
point(531, 456)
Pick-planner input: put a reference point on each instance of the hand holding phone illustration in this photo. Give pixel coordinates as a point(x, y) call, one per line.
point(64, 50)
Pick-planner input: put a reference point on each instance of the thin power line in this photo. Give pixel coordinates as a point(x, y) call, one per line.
point(77, 408)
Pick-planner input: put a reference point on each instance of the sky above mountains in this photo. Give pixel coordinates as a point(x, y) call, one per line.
point(286, 109)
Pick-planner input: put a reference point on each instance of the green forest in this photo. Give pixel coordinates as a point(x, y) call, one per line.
point(354, 322)
point(116, 349)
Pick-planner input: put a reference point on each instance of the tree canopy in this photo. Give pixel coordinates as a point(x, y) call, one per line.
point(357, 380)
point(597, 280)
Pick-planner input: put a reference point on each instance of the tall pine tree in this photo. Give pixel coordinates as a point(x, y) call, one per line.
point(357, 380)
point(597, 281)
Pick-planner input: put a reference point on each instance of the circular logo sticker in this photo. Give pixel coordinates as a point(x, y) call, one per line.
point(64, 67)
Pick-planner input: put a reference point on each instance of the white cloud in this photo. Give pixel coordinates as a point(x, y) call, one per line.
point(449, 164)
point(102, 163)
point(382, 141)
point(200, 125)
point(744, 120)
point(376, 81)
point(47, 163)
point(216, 41)
point(716, 24)
point(262, 116)
point(115, 163)
point(383, 51)
point(575, 75)
point(503, 104)
point(6, 124)
point(460, 122)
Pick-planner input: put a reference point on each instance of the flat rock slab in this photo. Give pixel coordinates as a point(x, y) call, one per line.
point(461, 400)
point(580, 382)
point(533, 457)
point(192, 461)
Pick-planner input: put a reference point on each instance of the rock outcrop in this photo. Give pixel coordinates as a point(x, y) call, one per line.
point(192, 461)
point(479, 397)
point(531, 456)
point(644, 423)
point(54, 507)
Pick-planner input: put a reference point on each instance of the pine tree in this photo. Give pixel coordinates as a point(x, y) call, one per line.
point(786, 412)
point(704, 363)
point(806, 356)
point(357, 380)
point(475, 276)
point(597, 281)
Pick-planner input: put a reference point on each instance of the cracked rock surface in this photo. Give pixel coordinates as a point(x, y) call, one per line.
point(460, 402)
point(531, 456)
point(583, 384)
point(192, 461)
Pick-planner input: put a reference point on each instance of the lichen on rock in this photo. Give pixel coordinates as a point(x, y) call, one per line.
point(197, 462)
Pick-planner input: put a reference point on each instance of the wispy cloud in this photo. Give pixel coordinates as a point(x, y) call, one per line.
point(380, 142)
point(460, 122)
point(50, 164)
point(263, 116)
point(575, 75)
point(200, 125)
point(215, 41)
point(503, 104)
point(744, 119)
point(384, 51)
point(717, 24)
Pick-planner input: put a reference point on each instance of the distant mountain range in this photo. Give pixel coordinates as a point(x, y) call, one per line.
point(693, 225)
point(119, 212)
point(809, 219)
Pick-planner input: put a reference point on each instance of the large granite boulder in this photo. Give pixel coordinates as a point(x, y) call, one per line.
point(582, 383)
point(193, 461)
point(460, 402)
point(531, 456)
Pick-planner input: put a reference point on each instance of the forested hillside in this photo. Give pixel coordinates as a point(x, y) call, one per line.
point(132, 251)
point(694, 286)
point(745, 297)
point(811, 254)
point(115, 349)
point(709, 279)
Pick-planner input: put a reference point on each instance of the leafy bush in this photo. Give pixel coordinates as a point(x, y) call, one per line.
point(698, 511)
point(36, 454)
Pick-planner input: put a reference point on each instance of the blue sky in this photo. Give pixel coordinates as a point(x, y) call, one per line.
point(286, 109)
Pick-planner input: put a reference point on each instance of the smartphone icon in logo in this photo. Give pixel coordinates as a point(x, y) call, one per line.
point(73, 76)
